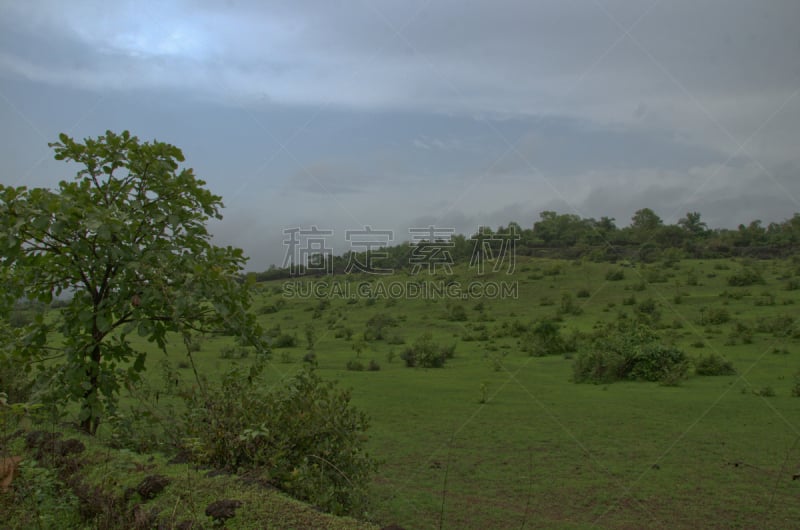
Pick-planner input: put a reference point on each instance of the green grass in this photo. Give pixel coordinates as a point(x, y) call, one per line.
point(543, 451)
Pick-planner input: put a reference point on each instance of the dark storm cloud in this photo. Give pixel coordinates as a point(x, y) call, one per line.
point(390, 113)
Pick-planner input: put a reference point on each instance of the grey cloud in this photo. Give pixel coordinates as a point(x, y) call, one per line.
point(419, 126)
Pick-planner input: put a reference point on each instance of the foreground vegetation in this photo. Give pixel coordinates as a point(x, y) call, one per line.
point(499, 433)
point(647, 377)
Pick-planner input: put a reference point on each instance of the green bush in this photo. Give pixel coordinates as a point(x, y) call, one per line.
point(426, 353)
point(343, 332)
point(657, 362)
point(599, 367)
point(629, 350)
point(377, 325)
point(713, 364)
point(713, 316)
point(615, 275)
point(740, 333)
point(766, 391)
point(305, 434)
point(796, 385)
point(544, 339)
point(779, 325)
point(355, 366)
point(744, 277)
point(568, 306)
point(284, 340)
point(456, 313)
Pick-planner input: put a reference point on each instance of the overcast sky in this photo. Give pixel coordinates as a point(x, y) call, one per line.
point(409, 113)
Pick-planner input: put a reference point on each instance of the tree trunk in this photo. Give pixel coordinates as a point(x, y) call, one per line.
point(90, 424)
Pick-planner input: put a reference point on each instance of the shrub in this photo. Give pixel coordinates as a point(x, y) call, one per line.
point(456, 313)
point(374, 366)
point(568, 305)
point(744, 277)
point(310, 357)
point(544, 339)
point(615, 275)
point(377, 325)
point(599, 367)
point(426, 353)
point(796, 386)
point(629, 350)
point(713, 364)
point(284, 340)
point(449, 351)
point(305, 433)
point(355, 366)
point(648, 309)
point(740, 333)
point(713, 316)
point(343, 333)
point(657, 362)
point(779, 326)
point(553, 270)
point(766, 391)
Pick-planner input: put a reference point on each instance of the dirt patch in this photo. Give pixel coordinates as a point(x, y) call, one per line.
point(151, 486)
point(256, 479)
point(48, 446)
point(96, 504)
point(71, 446)
point(222, 510)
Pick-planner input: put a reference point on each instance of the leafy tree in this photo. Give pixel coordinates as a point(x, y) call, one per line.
point(560, 230)
point(127, 239)
point(644, 225)
point(692, 224)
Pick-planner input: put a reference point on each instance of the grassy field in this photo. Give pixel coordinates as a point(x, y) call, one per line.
point(501, 439)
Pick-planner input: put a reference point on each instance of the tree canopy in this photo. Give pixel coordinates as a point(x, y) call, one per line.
point(127, 240)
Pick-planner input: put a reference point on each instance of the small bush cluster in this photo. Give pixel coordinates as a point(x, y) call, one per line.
point(713, 364)
point(545, 339)
point(740, 333)
point(633, 351)
point(713, 316)
point(377, 326)
point(305, 434)
point(425, 353)
point(796, 385)
point(744, 277)
point(779, 326)
point(456, 313)
point(284, 340)
point(355, 365)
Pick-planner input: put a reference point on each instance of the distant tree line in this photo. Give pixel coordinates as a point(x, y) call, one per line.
point(570, 236)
